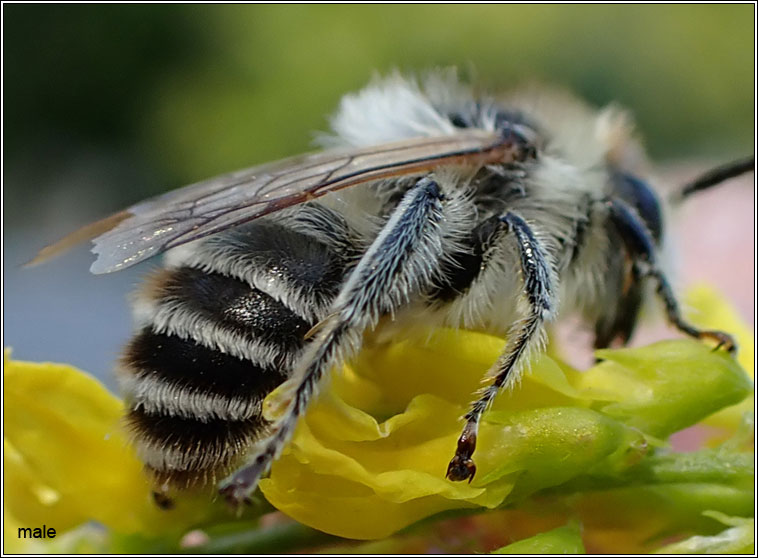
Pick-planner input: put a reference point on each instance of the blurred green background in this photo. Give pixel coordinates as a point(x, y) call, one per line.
point(175, 93)
point(107, 104)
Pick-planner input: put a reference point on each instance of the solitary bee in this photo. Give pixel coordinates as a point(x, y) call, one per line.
point(431, 207)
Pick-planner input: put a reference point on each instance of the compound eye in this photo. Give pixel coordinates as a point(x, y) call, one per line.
point(524, 138)
point(639, 194)
point(514, 126)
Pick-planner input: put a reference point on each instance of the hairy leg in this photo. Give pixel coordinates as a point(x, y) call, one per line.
point(639, 244)
point(398, 264)
point(540, 295)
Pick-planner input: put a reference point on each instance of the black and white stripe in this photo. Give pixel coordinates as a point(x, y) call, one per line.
point(220, 328)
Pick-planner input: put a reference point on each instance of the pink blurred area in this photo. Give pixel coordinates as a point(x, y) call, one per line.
point(713, 233)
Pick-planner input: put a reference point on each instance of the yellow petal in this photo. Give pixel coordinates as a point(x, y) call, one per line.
point(67, 459)
point(364, 466)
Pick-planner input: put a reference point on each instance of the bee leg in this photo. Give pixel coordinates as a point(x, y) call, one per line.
point(617, 321)
point(640, 246)
point(539, 292)
point(620, 318)
point(398, 264)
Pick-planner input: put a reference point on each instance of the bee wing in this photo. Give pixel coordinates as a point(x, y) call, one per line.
point(157, 224)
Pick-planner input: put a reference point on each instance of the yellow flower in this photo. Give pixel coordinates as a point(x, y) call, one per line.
point(66, 458)
point(370, 456)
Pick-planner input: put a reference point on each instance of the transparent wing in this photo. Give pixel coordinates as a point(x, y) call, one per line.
point(157, 224)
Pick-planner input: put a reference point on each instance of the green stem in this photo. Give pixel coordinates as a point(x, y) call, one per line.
point(277, 539)
point(704, 466)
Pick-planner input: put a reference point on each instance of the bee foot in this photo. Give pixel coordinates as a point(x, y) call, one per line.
point(723, 340)
point(237, 488)
point(236, 496)
point(461, 469)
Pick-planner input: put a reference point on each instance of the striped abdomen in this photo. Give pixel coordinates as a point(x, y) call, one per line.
point(219, 330)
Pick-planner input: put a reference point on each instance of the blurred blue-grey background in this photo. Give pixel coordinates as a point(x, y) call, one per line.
point(107, 104)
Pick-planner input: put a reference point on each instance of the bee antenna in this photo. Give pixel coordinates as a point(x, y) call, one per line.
point(715, 176)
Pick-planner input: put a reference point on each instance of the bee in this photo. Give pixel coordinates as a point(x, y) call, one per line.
point(432, 206)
